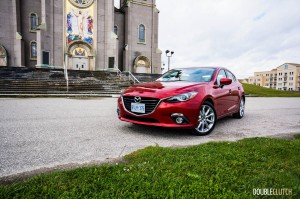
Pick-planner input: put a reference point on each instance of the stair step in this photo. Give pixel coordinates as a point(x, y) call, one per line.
point(33, 80)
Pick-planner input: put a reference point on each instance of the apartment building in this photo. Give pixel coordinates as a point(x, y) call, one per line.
point(284, 77)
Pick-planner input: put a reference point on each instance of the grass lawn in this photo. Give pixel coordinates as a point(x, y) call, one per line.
point(268, 92)
point(212, 170)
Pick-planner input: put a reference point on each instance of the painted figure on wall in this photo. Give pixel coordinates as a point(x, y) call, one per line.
point(81, 21)
point(88, 40)
point(69, 22)
point(90, 25)
point(79, 24)
point(80, 52)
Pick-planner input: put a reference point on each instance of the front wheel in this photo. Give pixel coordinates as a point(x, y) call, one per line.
point(206, 120)
point(241, 110)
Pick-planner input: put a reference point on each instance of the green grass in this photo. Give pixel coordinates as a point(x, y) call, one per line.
point(213, 170)
point(268, 92)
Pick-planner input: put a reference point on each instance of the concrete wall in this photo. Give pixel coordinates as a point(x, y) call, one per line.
point(10, 23)
point(27, 7)
point(142, 12)
point(7, 34)
point(57, 55)
point(106, 44)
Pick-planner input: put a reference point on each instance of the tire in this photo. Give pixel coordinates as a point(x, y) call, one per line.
point(206, 120)
point(241, 111)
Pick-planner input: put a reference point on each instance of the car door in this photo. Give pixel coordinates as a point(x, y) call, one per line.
point(221, 95)
point(234, 89)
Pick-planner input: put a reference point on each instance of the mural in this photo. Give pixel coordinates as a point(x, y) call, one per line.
point(82, 3)
point(80, 22)
point(79, 52)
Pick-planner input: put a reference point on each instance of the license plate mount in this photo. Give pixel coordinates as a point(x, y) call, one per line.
point(138, 108)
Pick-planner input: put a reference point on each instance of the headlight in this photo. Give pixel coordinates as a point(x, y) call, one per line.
point(182, 97)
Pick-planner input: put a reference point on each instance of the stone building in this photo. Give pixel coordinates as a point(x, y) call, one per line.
point(80, 34)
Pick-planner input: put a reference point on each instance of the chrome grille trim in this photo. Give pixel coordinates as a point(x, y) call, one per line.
point(150, 104)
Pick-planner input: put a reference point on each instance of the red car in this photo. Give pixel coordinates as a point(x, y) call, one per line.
point(184, 98)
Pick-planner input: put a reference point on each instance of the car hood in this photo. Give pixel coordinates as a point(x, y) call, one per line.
point(162, 89)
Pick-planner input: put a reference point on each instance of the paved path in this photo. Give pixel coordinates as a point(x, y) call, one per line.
point(46, 132)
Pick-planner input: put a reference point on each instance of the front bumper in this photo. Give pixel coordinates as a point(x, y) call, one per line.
point(161, 116)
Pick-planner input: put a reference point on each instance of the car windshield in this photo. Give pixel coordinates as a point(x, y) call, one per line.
point(188, 74)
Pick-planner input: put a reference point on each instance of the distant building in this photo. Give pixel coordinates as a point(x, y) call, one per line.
point(82, 34)
point(284, 77)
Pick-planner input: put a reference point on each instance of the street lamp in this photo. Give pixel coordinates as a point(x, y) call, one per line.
point(169, 55)
point(163, 67)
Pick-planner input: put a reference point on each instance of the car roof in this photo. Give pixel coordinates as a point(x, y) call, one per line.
point(215, 67)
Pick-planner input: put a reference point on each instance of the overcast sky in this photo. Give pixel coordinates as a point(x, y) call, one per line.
point(242, 35)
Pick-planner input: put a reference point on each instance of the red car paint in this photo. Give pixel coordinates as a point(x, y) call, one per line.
point(225, 97)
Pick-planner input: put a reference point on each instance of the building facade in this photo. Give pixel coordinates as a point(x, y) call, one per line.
point(284, 77)
point(80, 34)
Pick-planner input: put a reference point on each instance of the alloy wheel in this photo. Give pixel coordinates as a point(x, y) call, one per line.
point(206, 119)
point(242, 107)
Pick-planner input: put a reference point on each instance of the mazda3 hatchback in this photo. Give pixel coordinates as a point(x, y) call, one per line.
point(187, 98)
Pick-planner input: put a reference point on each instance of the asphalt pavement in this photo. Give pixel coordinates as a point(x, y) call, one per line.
point(42, 133)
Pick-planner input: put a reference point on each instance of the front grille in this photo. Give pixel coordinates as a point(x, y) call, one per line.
point(150, 104)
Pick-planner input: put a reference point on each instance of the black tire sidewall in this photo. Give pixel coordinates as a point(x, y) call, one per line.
point(238, 114)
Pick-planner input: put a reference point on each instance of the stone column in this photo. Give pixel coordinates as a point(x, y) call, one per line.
point(38, 48)
point(128, 42)
point(40, 34)
point(156, 52)
point(110, 37)
point(18, 59)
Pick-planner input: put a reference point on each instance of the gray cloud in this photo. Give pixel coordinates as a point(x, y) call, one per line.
point(244, 36)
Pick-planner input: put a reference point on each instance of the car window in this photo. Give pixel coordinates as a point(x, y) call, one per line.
point(230, 76)
point(173, 75)
point(188, 74)
point(221, 75)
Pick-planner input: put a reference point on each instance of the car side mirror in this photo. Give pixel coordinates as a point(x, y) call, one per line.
point(225, 81)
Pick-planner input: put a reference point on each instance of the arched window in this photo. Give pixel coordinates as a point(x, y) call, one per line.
point(116, 30)
point(33, 21)
point(33, 50)
point(142, 33)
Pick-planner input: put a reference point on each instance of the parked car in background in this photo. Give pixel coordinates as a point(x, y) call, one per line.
point(189, 98)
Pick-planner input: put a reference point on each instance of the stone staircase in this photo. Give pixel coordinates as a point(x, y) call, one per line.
point(23, 80)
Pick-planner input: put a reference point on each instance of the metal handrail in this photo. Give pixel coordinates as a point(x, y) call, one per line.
point(119, 72)
point(130, 75)
point(66, 73)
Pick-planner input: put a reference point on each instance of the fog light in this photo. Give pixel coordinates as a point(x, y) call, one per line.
point(179, 120)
